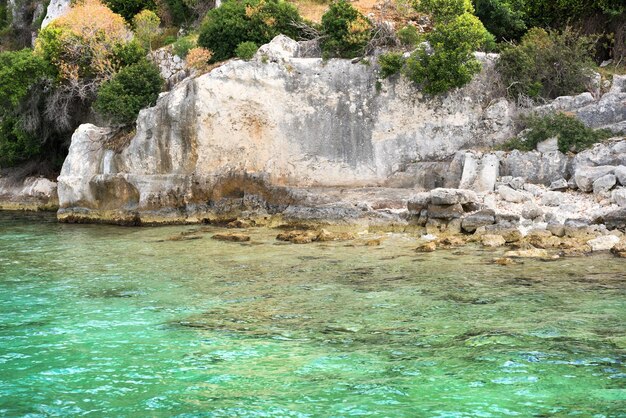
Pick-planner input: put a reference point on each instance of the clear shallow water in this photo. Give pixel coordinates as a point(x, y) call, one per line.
point(112, 321)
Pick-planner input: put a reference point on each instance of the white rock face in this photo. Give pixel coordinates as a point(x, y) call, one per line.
point(296, 122)
point(31, 193)
point(56, 9)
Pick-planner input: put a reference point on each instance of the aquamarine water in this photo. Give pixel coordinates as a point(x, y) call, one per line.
point(122, 322)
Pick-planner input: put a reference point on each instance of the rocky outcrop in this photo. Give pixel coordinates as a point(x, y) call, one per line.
point(268, 134)
point(314, 140)
point(31, 193)
point(55, 9)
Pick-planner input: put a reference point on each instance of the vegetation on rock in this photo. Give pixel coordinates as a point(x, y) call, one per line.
point(133, 88)
point(572, 135)
point(257, 21)
point(345, 31)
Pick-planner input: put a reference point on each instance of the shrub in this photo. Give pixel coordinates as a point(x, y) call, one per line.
point(16, 145)
point(547, 64)
point(503, 18)
point(198, 59)
point(146, 24)
point(183, 46)
point(346, 31)
point(129, 91)
point(390, 63)
point(255, 21)
point(409, 36)
point(128, 54)
point(129, 8)
point(246, 50)
point(445, 10)
point(81, 43)
point(571, 133)
point(21, 77)
point(451, 62)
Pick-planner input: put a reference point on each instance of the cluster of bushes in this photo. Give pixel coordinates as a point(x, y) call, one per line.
point(86, 56)
point(256, 21)
point(572, 135)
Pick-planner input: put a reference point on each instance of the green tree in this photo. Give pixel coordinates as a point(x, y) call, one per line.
point(547, 64)
point(146, 24)
point(21, 73)
point(449, 62)
point(129, 8)
point(257, 21)
point(445, 10)
point(346, 31)
point(132, 89)
point(505, 19)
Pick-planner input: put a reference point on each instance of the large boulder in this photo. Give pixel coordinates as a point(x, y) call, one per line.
point(604, 183)
point(441, 196)
point(481, 218)
point(534, 166)
point(586, 176)
point(513, 196)
point(615, 219)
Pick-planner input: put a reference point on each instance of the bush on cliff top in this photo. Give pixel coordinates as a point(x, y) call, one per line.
point(345, 31)
point(450, 61)
point(257, 21)
point(547, 64)
point(133, 88)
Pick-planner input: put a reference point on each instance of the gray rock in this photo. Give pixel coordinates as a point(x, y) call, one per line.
point(445, 211)
point(280, 49)
point(558, 230)
point(560, 184)
point(517, 183)
point(507, 218)
point(619, 196)
point(55, 9)
point(474, 221)
point(604, 184)
point(480, 172)
point(608, 153)
point(585, 176)
point(531, 211)
point(534, 166)
point(513, 196)
point(549, 145)
point(615, 219)
point(441, 196)
point(552, 199)
point(620, 173)
point(418, 202)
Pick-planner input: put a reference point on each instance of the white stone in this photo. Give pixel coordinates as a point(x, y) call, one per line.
point(549, 145)
point(619, 196)
point(603, 243)
point(513, 196)
point(56, 9)
point(604, 184)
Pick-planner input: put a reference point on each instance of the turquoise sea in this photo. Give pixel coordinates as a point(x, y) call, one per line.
point(109, 321)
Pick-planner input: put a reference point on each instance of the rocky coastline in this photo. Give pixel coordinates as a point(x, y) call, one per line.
point(341, 148)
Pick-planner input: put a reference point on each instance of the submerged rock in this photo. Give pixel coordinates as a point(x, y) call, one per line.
point(231, 237)
point(427, 247)
point(529, 253)
point(489, 240)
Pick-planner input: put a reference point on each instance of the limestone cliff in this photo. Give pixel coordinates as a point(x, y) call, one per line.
point(283, 134)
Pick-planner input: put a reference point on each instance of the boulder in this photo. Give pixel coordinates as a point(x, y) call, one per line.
point(513, 196)
point(445, 211)
point(517, 183)
point(549, 145)
point(612, 153)
point(280, 49)
point(619, 196)
point(620, 174)
point(491, 240)
point(555, 229)
point(558, 185)
point(479, 172)
point(603, 243)
point(586, 176)
point(615, 219)
point(604, 184)
point(542, 239)
point(509, 233)
point(531, 211)
point(441, 196)
point(535, 167)
point(474, 221)
point(552, 199)
point(418, 202)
